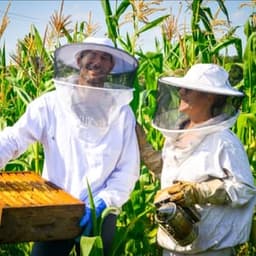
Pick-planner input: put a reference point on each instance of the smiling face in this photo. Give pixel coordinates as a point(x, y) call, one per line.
point(197, 105)
point(94, 67)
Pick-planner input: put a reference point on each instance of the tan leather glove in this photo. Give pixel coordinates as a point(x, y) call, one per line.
point(190, 193)
point(150, 157)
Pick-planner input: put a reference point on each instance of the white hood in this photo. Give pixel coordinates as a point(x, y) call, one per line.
point(91, 109)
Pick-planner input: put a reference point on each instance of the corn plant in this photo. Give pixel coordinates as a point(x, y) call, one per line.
point(29, 77)
point(246, 125)
point(136, 227)
point(92, 245)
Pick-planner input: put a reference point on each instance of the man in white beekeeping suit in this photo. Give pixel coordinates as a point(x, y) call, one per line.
point(87, 130)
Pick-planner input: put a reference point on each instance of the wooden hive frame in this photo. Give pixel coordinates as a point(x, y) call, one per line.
point(33, 209)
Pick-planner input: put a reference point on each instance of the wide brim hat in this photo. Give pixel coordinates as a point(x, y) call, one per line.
point(124, 62)
point(209, 78)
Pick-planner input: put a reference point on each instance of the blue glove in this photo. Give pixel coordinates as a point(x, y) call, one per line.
point(86, 220)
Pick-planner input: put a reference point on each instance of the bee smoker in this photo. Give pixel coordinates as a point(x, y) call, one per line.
point(177, 222)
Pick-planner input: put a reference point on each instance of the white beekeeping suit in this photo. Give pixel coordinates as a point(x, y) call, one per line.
point(87, 132)
point(204, 153)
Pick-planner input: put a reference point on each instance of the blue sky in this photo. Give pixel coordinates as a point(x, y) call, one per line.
point(23, 14)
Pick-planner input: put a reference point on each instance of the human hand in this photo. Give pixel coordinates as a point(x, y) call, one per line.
point(190, 193)
point(181, 192)
point(162, 196)
point(185, 193)
point(86, 220)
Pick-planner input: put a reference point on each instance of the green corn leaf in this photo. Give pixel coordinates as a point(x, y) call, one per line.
point(3, 56)
point(67, 35)
point(37, 36)
point(251, 117)
point(223, 9)
point(152, 24)
point(208, 11)
point(196, 5)
point(227, 42)
point(240, 124)
point(122, 8)
point(106, 7)
point(19, 163)
point(125, 235)
point(23, 95)
point(91, 246)
point(206, 21)
point(111, 21)
point(93, 212)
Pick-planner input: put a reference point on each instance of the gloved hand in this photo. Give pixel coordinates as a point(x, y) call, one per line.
point(86, 220)
point(190, 193)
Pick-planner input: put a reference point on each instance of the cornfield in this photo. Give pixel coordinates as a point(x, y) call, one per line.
point(30, 72)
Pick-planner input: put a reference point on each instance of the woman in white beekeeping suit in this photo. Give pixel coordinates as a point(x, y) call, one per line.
point(87, 130)
point(204, 167)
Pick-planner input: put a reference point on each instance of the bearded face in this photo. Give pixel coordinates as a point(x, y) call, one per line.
point(94, 67)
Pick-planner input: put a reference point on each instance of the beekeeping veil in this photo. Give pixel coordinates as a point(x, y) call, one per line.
point(208, 78)
point(93, 109)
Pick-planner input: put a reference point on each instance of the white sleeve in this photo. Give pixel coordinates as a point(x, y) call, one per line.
point(123, 178)
point(239, 184)
point(14, 140)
